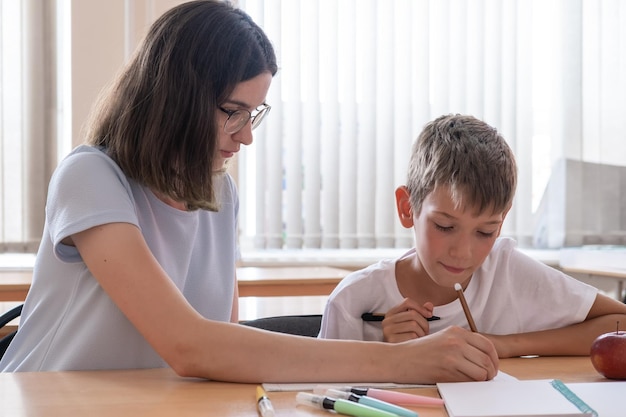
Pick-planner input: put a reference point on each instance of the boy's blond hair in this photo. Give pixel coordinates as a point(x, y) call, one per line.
point(468, 156)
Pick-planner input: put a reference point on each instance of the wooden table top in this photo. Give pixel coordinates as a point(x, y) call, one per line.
point(159, 392)
point(14, 285)
point(253, 281)
point(288, 281)
point(619, 273)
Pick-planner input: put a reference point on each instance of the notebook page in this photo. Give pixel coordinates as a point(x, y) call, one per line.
point(506, 398)
point(607, 398)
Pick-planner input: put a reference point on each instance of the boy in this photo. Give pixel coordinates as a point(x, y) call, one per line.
point(461, 182)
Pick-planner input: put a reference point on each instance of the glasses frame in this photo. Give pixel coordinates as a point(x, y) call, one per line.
point(254, 119)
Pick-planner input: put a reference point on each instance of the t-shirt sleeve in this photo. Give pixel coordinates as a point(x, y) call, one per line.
point(338, 324)
point(372, 289)
point(87, 189)
point(542, 297)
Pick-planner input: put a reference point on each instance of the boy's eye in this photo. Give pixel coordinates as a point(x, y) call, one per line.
point(486, 234)
point(443, 228)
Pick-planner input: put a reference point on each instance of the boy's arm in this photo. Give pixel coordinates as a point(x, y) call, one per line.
point(573, 340)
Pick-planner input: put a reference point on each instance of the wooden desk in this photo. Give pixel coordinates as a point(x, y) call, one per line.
point(288, 281)
point(266, 291)
point(615, 276)
point(159, 392)
point(253, 281)
point(14, 285)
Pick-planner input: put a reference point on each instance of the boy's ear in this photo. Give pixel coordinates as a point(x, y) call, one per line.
point(403, 205)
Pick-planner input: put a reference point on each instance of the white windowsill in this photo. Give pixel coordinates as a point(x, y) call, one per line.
point(351, 258)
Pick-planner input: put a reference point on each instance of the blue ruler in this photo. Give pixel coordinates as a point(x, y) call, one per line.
point(573, 398)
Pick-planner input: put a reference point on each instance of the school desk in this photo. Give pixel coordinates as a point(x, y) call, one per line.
point(14, 285)
point(253, 281)
point(263, 291)
point(288, 281)
point(159, 392)
point(613, 276)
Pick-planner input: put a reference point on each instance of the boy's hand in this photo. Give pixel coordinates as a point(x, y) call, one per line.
point(406, 321)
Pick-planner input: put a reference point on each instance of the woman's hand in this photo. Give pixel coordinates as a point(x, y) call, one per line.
point(406, 321)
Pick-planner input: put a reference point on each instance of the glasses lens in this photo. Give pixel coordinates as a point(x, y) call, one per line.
point(236, 121)
point(258, 118)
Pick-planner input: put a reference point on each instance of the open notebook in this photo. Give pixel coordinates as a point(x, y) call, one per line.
point(532, 398)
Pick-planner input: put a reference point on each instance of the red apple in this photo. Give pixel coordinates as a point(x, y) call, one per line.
point(608, 354)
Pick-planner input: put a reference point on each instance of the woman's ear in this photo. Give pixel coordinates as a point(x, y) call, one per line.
point(403, 205)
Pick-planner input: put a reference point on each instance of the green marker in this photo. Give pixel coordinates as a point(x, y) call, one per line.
point(341, 406)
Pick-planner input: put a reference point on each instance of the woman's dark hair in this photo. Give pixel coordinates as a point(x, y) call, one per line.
point(157, 121)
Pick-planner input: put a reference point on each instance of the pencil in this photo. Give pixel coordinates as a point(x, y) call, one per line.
point(466, 309)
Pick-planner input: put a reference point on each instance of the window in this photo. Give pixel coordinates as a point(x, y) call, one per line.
point(357, 81)
point(27, 136)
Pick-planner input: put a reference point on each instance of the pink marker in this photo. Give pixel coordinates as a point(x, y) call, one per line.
point(398, 398)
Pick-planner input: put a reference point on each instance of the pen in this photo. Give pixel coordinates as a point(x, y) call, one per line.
point(381, 317)
point(263, 403)
point(394, 397)
point(466, 309)
point(340, 406)
point(370, 401)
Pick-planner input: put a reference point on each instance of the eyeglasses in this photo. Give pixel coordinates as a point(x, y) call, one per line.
point(237, 119)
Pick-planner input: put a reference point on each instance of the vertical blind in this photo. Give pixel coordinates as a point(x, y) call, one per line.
point(358, 79)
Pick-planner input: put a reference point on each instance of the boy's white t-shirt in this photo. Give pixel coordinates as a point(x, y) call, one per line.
point(68, 321)
point(509, 293)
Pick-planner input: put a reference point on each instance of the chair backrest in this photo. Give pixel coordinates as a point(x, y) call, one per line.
point(304, 325)
point(5, 319)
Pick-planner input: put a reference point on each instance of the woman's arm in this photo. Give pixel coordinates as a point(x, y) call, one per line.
point(571, 340)
point(119, 258)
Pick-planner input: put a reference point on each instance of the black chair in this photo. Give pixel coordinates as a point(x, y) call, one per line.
point(304, 325)
point(5, 319)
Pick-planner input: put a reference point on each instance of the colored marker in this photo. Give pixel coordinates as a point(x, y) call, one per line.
point(466, 309)
point(371, 401)
point(394, 397)
point(381, 317)
point(340, 406)
point(264, 405)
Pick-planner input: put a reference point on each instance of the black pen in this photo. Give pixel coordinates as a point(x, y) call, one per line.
point(381, 317)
